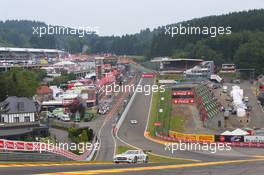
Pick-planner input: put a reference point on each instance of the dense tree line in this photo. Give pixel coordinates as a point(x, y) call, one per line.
point(20, 82)
point(19, 33)
point(243, 47)
point(63, 79)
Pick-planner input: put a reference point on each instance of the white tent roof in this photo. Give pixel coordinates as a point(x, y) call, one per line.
point(15, 49)
point(78, 84)
point(64, 63)
point(90, 75)
point(227, 133)
point(239, 132)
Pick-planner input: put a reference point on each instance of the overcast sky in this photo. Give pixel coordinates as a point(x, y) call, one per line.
point(119, 16)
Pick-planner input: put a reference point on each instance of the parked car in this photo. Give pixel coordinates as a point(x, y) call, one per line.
point(225, 89)
point(226, 113)
point(103, 109)
point(237, 81)
point(229, 99)
point(64, 117)
point(47, 114)
point(77, 117)
point(131, 156)
point(58, 111)
point(246, 99)
point(216, 86)
point(249, 108)
point(234, 111)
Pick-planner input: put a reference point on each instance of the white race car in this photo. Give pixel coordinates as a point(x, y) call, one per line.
point(131, 156)
point(133, 121)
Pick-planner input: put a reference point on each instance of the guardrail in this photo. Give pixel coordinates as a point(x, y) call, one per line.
point(20, 125)
point(10, 145)
point(124, 113)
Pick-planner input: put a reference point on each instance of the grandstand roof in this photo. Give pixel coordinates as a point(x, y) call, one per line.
point(163, 59)
point(64, 63)
point(14, 49)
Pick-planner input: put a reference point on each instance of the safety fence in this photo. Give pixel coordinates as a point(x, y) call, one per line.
point(21, 146)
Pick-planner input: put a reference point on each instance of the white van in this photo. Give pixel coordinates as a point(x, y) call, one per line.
point(64, 117)
point(225, 89)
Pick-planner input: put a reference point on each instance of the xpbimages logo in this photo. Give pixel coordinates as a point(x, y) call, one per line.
point(139, 88)
point(204, 147)
point(60, 30)
point(197, 30)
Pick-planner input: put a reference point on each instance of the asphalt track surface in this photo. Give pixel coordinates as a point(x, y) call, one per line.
point(231, 163)
point(252, 167)
point(107, 141)
point(133, 134)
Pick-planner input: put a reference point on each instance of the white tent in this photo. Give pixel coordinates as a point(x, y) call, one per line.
point(226, 133)
point(239, 105)
point(241, 112)
point(239, 132)
point(90, 75)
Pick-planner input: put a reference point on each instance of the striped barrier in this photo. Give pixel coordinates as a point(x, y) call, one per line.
point(10, 145)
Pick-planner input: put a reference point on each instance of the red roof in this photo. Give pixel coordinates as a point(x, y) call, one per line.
point(44, 90)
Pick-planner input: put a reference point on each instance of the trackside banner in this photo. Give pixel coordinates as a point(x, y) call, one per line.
point(40, 147)
point(147, 75)
point(183, 100)
point(254, 139)
point(229, 138)
point(175, 93)
point(192, 137)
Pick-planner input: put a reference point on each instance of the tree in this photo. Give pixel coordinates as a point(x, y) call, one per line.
point(18, 82)
point(251, 55)
point(41, 74)
point(84, 136)
point(64, 78)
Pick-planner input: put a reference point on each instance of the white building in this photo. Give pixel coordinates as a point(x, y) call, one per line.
point(17, 110)
point(204, 70)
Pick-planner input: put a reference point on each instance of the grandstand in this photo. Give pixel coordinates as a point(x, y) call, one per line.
point(228, 67)
point(203, 70)
point(168, 65)
point(10, 55)
point(206, 102)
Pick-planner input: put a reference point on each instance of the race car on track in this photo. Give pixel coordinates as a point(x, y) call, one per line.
point(133, 121)
point(131, 156)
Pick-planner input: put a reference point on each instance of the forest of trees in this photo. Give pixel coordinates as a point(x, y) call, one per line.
point(244, 46)
point(20, 82)
point(19, 33)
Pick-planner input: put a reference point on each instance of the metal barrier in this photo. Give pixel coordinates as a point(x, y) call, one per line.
point(21, 146)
